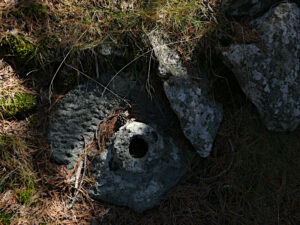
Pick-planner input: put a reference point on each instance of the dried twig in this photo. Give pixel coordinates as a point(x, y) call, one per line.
point(77, 176)
point(149, 88)
point(97, 82)
point(209, 179)
point(82, 178)
point(109, 125)
point(60, 65)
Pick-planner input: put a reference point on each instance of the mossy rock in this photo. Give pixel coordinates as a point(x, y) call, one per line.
point(17, 106)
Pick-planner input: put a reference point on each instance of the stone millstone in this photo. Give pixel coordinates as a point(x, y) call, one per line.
point(140, 161)
point(269, 72)
point(138, 166)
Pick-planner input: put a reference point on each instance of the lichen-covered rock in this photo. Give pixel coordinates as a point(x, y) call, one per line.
point(168, 58)
point(199, 116)
point(268, 72)
point(138, 166)
point(246, 7)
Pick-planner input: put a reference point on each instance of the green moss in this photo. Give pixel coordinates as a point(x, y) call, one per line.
point(5, 218)
point(4, 140)
point(33, 10)
point(22, 49)
point(37, 10)
point(25, 196)
point(5, 155)
point(20, 104)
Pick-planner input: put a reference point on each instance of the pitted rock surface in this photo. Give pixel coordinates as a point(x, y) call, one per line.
point(199, 116)
point(78, 115)
point(126, 177)
point(246, 7)
point(269, 73)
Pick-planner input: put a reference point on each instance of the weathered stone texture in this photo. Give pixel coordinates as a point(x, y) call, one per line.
point(78, 115)
point(268, 72)
point(169, 60)
point(199, 116)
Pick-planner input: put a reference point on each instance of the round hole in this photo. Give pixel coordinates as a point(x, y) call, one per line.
point(138, 147)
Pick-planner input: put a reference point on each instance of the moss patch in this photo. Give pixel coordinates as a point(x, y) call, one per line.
point(17, 105)
point(23, 50)
point(5, 218)
point(25, 196)
point(18, 175)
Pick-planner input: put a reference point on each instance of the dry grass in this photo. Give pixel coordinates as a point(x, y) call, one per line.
point(50, 24)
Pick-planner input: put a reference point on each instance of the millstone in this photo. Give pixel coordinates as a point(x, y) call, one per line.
point(139, 161)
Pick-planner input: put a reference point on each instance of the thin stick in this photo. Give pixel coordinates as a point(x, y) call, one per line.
point(78, 174)
point(128, 64)
point(58, 69)
point(209, 179)
point(82, 178)
point(97, 82)
point(149, 88)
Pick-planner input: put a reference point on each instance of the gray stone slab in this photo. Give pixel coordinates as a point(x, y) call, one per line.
point(269, 72)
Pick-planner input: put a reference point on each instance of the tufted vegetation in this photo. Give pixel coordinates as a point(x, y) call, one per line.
point(86, 24)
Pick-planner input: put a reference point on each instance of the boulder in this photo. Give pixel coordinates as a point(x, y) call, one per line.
point(199, 115)
point(246, 7)
point(268, 72)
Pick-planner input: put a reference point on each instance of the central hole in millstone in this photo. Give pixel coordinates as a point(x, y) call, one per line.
point(138, 147)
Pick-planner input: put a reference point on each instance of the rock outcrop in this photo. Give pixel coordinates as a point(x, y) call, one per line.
point(269, 72)
point(199, 116)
